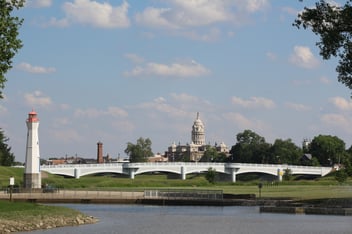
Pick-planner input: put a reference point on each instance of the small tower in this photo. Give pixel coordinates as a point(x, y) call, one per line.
point(100, 158)
point(198, 132)
point(32, 177)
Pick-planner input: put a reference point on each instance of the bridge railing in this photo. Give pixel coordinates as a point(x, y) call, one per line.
point(184, 194)
point(177, 164)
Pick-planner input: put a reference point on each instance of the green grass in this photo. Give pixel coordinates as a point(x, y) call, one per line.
point(7, 172)
point(325, 187)
point(25, 211)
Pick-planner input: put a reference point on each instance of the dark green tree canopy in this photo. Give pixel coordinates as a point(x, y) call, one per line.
point(285, 151)
point(250, 148)
point(9, 41)
point(333, 25)
point(140, 151)
point(6, 157)
point(212, 155)
point(327, 149)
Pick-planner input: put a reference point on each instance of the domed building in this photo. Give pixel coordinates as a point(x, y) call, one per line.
point(194, 151)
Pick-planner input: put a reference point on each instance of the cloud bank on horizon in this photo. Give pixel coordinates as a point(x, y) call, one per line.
point(114, 71)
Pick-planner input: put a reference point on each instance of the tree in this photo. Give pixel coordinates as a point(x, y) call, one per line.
point(6, 157)
point(287, 176)
point(250, 148)
point(341, 176)
point(9, 41)
point(141, 151)
point(212, 155)
point(327, 149)
point(285, 151)
point(210, 176)
point(332, 24)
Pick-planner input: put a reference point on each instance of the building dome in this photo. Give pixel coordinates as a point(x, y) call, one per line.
point(198, 125)
point(198, 131)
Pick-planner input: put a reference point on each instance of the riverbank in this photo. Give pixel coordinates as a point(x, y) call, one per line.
point(24, 216)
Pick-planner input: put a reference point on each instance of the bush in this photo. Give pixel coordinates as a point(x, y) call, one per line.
point(210, 175)
point(341, 175)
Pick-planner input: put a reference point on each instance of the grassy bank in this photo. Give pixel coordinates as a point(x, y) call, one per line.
point(24, 216)
point(319, 188)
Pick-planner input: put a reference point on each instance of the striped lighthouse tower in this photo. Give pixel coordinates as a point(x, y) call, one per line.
point(32, 177)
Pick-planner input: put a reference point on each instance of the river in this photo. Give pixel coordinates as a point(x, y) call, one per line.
point(140, 219)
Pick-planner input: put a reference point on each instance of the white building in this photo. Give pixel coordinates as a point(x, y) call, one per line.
point(195, 150)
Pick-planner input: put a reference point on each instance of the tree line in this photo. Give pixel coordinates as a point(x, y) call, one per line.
point(323, 150)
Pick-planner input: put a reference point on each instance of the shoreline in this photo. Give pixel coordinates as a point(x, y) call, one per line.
point(49, 222)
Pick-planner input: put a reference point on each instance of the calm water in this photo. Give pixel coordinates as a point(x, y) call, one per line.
point(138, 219)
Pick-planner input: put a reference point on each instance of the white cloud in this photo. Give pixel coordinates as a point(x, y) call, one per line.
point(93, 13)
point(341, 103)
point(297, 106)
point(254, 102)
point(39, 3)
point(188, 69)
point(53, 22)
point(252, 5)
point(35, 69)
point(113, 111)
point(160, 104)
point(154, 17)
point(37, 99)
point(181, 13)
point(290, 11)
point(303, 57)
point(325, 80)
point(116, 112)
point(134, 58)
point(243, 122)
point(338, 120)
point(271, 55)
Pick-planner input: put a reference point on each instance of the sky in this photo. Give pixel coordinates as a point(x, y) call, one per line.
point(114, 71)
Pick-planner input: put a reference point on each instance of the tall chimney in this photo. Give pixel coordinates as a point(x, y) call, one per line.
point(100, 153)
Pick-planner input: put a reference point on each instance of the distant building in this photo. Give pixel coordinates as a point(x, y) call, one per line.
point(305, 145)
point(158, 158)
point(194, 151)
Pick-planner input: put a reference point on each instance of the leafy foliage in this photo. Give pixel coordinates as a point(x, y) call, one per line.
point(141, 151)
point(212, 155)
point(285, 151)
point(210, 176)
point(341, 176)
point(327, 149)
point(9, 42)
point(6, 157)
point(250, 148)
point(333, 24)
point(287, 176)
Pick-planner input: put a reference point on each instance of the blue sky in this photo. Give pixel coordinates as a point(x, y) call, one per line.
point(114, 71)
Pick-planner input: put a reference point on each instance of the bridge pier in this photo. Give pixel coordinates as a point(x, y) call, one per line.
point(279, 174)
point(132, 173)
point(77, 173)
point(183, 172)
point(233, 175)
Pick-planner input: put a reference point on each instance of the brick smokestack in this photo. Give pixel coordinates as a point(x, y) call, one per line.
point(100, 152)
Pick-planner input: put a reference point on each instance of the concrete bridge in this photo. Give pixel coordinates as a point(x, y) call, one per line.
point(182, 169)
